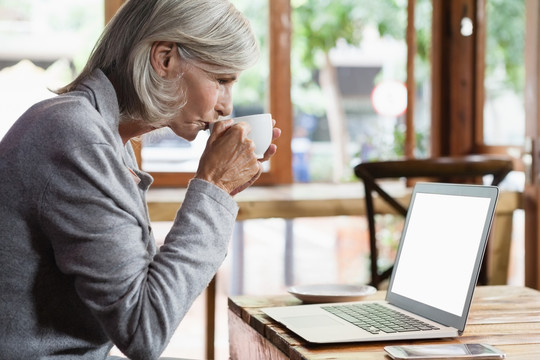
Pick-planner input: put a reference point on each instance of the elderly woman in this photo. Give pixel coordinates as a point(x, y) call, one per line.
point(80, 268)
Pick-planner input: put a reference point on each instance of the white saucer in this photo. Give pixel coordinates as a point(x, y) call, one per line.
point(321, 293)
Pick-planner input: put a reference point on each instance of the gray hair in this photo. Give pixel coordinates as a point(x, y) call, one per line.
point(209, 32)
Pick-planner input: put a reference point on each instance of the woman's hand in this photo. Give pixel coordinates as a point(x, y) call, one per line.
point(229, 161)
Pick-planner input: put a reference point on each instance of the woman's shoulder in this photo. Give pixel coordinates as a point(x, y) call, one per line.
point(92, 106)
point(67, 115)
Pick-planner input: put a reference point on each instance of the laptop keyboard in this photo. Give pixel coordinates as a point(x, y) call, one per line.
point(376, 318)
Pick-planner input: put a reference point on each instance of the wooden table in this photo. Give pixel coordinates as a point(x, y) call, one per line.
point(314, 200)
point(504, 316)
point(302, 200)
point(283, 201)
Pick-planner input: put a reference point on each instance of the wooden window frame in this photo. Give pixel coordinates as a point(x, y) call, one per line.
point(457, 98)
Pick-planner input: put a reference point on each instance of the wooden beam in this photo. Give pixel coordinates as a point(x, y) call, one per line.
point(480, 26)
point(280, 29)
point(410, 139)
point(454, 78)
point(531, 194)
point(111, 7)
point(436, 79)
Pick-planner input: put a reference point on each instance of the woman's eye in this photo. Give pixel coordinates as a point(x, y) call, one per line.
point(225, 81)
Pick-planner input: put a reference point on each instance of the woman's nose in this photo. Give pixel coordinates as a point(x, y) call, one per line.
point(224, 104)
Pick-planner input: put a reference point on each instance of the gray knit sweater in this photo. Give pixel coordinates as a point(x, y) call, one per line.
point(79, 266)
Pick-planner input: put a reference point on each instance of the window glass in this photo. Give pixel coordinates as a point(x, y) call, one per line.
point(44, 45)
point(504, 109)
point(349, 72)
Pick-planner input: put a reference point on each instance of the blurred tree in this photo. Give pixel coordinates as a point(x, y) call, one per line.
point(251, 90)
point(505, 44)
point(318, 26)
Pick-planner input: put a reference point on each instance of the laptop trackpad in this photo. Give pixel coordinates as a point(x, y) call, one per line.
point(311, 321)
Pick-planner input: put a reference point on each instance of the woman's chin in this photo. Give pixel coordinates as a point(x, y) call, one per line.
point(187, 135)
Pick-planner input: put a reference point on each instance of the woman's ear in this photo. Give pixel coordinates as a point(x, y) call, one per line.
point(162, 57)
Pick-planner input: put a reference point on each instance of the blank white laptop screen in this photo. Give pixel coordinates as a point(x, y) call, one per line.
point(451, 235)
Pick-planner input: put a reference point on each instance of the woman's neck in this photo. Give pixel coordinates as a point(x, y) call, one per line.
point(130, 128)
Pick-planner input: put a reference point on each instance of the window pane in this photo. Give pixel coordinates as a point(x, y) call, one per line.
point(364, 43)
point(44, 44)
point(164, 151)
point(504, 111)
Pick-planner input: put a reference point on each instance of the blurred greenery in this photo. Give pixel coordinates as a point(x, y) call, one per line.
point(319, 24)
point(23, 6)
point(252, 86)
point(504, 44)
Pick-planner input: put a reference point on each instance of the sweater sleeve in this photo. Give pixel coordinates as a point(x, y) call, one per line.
point(96, 220)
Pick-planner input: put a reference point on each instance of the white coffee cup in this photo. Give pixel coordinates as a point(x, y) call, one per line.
point(261, 131)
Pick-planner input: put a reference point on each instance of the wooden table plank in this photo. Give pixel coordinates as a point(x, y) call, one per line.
point(302, 200)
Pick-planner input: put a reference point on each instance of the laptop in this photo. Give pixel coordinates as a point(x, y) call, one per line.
point(432, 284)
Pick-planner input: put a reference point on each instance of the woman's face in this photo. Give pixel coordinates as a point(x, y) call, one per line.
point(208, 97)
